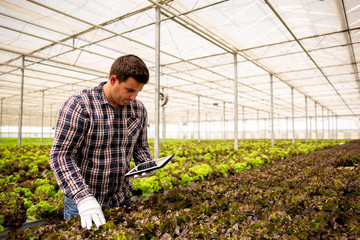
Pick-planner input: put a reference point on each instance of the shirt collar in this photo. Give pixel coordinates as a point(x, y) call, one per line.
point(100, 95)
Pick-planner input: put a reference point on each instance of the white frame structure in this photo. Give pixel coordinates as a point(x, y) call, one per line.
point(205, 54)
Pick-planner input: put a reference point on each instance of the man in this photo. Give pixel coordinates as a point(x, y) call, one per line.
point(97, 133)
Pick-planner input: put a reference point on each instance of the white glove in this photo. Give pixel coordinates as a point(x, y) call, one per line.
point(148, 174)
point(89, 211)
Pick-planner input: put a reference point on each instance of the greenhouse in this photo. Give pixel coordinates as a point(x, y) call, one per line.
point(226, 76)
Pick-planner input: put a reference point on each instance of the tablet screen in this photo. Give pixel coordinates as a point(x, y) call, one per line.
point(149, 166)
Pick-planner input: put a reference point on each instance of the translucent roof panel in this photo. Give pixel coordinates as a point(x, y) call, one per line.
point(309, 48)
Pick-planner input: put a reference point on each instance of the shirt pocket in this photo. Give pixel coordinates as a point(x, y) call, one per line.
point(134, 126)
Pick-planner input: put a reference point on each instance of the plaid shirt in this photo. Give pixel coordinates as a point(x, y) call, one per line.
point(93, 146)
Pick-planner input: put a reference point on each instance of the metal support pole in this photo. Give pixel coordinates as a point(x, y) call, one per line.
point(163, 125)
point(328, 124)
point(306, 120)
point(157, 82)
point(50, 121)
point(269, 125)
point(30, 118)
point(257, 124)
point(42, 117)
point(187, 124)
point(199, 119)
point(336, 127)
point(236, 106)
point(292, 114)
point(21, 102)
point(272, 109)
point(323, 121)
point(310, 130)
point(224, 120)
point(243, 123)
point(316, 130)
point(207, 125)
point(333, 126)
point(1, 117)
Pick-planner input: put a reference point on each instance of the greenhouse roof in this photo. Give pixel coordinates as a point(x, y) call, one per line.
point(309, 48)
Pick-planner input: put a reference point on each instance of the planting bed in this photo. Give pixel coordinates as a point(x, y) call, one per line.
point(310, 196)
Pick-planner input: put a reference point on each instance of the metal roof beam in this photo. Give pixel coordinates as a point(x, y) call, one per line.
point(344, 20)
point(307, 53)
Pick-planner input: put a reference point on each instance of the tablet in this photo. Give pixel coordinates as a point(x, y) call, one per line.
point(149, 166)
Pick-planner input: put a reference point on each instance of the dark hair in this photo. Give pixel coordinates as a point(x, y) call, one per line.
point(130, 66)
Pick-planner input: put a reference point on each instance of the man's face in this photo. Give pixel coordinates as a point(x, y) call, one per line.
point(125, 92)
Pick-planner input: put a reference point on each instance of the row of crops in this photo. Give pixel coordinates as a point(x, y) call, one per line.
point(289, 191)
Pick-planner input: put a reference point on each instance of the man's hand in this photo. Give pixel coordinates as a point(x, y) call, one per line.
point(148, 174)
point(90, 211)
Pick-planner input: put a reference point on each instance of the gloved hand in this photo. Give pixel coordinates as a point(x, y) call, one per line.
point(148, 174)
point(89, 211)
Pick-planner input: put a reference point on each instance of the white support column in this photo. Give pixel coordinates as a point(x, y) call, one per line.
point(50, 123)
point(236, 106)
point(269, 117)
point(257, 124)
point(199, 119)
point(332, 126)
point(163, 125)
point(1, 117)
point(336, 127)
point(207, 126)
point(21, 102)
point(157, 82)
point(272, 109)
point(8, 129)
point(187, 124)
point(306, 121)
point(310, 129)
point(323, 121)
point(292, 114)
point(224, 122)
point(243, 123)
point(328, 124)
point(31, 116)
point(316, 130)
point(42, 117)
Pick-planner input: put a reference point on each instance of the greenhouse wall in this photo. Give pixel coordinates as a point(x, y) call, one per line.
point(342, 134)
point(219, 130)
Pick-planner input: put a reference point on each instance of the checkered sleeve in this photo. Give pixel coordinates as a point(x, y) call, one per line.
point(68, 137)
point(142, 151)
